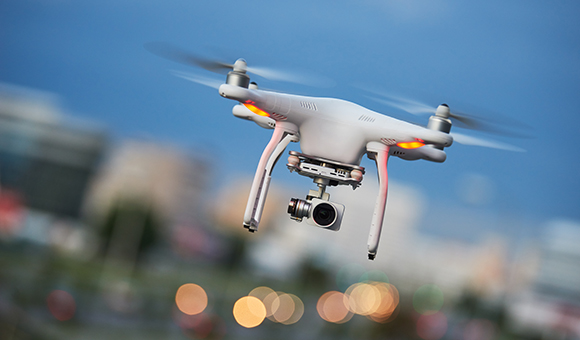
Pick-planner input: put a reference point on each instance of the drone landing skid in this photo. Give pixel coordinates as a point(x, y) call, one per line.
point(335, 173)
point(380, 154)
point(278, 143)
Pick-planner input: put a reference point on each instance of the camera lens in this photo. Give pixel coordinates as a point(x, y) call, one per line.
point(298, 208)
point(324, 214)
point(292, 206)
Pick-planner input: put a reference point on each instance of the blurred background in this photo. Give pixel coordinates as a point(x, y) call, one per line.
point(122, 187)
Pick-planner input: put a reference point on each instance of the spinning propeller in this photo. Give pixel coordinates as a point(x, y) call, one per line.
point(459, 119)
point(177, 54)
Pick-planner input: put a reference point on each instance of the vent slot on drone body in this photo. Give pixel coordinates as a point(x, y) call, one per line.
point(277, 116)
point(309, 106)
point(388, 141)
point(365, 118)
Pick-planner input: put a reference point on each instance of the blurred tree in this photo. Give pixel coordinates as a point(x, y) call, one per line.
point(129, 229)
point(314, 277)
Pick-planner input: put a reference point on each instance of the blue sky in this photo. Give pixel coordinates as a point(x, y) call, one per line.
point(518, 59)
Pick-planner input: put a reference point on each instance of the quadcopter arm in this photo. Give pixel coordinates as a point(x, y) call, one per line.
point(282, 136)
point(380, 153)
point(243, 112)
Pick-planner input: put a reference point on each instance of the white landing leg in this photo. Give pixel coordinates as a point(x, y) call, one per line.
point(380, 153)
point(278, 143)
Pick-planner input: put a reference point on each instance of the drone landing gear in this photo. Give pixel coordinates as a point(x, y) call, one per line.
point(380, 154)
point(326, 172)
point(281, 137)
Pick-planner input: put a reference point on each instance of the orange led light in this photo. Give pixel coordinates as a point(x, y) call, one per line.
point(256, 110)
point(410, 145)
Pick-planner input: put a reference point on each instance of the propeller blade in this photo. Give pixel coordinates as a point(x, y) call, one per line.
point(469, 122)
point(470, 140)
point(177, 54)
point(293, 77)
point(497, 125)
point(414, 108)
point(207, 81)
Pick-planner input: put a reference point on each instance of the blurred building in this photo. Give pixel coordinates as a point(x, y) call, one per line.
point(46, 158)
point(552, 304)
point(161, 180)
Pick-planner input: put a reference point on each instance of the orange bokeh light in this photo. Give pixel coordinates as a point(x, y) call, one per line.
point(297, 312)
point(280, 307)
point(249, 311)
point(332, 308)
point(191, 299)
point(269, 297)
point(375, 300)
point(388, 304)
point(286, 309)
point(363, 298)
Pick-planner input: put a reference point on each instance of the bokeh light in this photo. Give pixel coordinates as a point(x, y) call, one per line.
point(269, 298)
point(389, 302)
point(261, 292)
point(286, 309)
point(332, 307)
point(432, 326)
point(191, 299)
point(280, 307)
point(298, 310)
point(376, 300)
point(61, 305)
point(363, 298)
point(428, 299)
point(249, 311)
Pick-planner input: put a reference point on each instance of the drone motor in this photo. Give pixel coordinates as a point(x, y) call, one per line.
point(237, 76)
point(440, 121)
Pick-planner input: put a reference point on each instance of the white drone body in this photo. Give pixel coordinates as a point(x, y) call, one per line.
point(334, 135)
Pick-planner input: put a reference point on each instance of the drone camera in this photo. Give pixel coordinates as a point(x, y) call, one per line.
point(320, 213)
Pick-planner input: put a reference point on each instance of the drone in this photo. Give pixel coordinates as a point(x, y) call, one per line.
point(334, 136)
